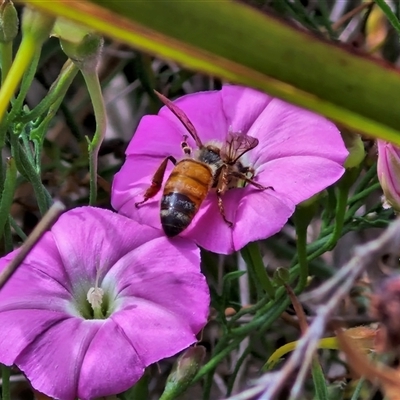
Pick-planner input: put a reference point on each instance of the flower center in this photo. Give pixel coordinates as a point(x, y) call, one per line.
point(95, 298)
point(93, 303)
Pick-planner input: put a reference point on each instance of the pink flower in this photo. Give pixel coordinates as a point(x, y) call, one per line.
point(153, 302)
point(299, 154)
point(389, 172)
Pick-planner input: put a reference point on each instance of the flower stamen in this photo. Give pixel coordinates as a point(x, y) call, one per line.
point(95, 298)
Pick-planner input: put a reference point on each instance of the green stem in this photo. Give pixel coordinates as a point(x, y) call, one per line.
point(341, 206)
point(361, 195)
point(16, 228)
point(301, 225)
point(357, 390)
point(5, 377)
point(8, 240)
point(23, 59)
point(389, 14)
point(55, 94)
point(251, 254)
point(93, 85)
point(5, 59)
point(8, 193)
point(28, 170)
point(364, 181)
point(226, 344)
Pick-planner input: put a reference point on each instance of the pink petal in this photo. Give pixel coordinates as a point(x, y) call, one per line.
point(242, 106)
point(260, 215)
point(20, 328)
point(153, 331)
point(34, 285)
point(166, 276)
point(205, 112)
point(285, 130)
point(298, 178)
point(104, 237)
point(53, 361)
point(112, 364)
point(158, 136)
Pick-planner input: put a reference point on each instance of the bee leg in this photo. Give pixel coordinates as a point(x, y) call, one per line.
point(250, 181)
point(221, 208)
point(156, 181)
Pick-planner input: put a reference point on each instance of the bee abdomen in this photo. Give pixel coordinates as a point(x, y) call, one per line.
point(177, 211)
point(184, 191)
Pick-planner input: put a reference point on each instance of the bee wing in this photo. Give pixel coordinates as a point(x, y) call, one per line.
point(182, 117)
point(236, 145)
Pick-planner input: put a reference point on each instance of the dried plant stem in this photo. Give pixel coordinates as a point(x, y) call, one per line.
point(351, 14)
point(44, 224)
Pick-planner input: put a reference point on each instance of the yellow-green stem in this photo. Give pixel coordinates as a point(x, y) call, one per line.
point(5, 59)
point(93, 85)
point(21, 63)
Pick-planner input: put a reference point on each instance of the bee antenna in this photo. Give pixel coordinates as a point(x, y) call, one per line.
point(182, 117)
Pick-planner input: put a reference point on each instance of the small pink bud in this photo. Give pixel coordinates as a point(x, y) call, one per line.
point(389, 172)
point(184, 370)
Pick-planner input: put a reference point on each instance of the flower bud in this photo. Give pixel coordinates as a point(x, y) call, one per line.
point(281, 276)
point(389, 172)
point(37, 25)
point(184, 370)
point(355, 146)
point(8, 21)
point(81, 45)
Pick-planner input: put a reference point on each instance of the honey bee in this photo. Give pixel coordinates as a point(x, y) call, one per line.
point(211, 167)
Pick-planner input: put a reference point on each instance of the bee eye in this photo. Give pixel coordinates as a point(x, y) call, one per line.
point(214, 149)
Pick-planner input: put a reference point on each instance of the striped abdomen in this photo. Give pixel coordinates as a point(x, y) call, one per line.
point(185, 190)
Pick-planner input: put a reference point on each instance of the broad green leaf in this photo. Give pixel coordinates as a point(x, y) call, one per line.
point(239, 44)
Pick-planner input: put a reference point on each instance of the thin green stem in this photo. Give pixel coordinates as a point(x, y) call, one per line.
point(25, 85)
point(29, 171)
point(357, 390)
point(364, 181)
point(55, 94)
point(5, 59)
point(23, 60)
point(16, 228)
point(8, 193)
point(251, 254)
point(301, 245)
point(8, 240)
point(341, 206)
point(361, 195)
point(5, 377)
point(93, 85)
point(391, 16)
